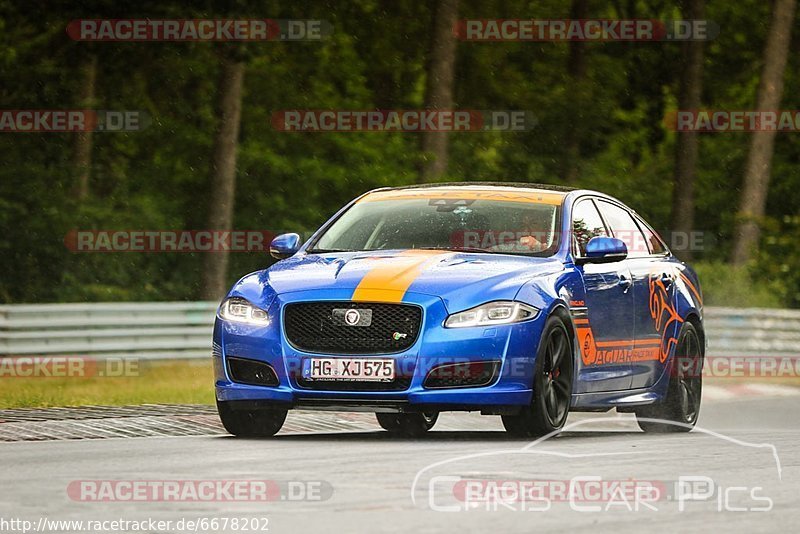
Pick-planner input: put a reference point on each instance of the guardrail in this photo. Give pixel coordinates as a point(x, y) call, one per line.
point(170, 330)
point(752, 332)
point(157, 330)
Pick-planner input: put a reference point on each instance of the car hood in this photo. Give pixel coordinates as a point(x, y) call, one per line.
point(460, 279)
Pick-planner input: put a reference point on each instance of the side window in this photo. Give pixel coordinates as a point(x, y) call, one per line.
point(655, 243)
point(625, 228)
point(586, 224)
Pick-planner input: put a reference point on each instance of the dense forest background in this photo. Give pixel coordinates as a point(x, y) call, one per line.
point(600, 110)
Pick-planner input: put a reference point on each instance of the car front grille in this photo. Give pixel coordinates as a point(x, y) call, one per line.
point(320, 327)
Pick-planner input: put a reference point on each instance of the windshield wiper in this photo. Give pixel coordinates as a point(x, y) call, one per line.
point(330, 250)
point(453, 249)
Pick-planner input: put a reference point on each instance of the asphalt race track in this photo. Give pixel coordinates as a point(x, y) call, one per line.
point(741, 472)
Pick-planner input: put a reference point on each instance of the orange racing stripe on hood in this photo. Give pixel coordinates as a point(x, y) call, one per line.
point(390, 279)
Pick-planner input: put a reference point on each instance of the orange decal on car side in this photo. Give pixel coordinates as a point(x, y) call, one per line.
point(664, 314)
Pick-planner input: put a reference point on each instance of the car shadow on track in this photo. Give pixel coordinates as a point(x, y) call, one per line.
point(446, 435)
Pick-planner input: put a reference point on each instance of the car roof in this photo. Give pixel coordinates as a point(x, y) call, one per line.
point(487, 185)
point(510, 191)
point(498, 191)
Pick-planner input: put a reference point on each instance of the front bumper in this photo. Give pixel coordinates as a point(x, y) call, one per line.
point(513, 346)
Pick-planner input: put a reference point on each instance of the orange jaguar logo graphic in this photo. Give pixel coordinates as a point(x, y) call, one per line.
point(589, 351)
point(665, 316)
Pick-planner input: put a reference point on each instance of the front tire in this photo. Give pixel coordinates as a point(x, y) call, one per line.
point(684, 393)
point(407, 424)
point(552, 385)
point(259, 423)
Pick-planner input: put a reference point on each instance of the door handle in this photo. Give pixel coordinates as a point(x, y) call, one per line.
point(625, 282)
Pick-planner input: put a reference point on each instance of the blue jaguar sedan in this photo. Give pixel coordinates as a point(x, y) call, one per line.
point(519, 300)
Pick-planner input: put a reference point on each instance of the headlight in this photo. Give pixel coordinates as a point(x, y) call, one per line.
point(492, 313)
point(241, 311)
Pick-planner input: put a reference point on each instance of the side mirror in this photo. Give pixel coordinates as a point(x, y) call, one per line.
point(284, 245)
point(602, 249)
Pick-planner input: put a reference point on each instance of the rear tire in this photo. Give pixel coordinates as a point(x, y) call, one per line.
point(684, 393)
point(407, 424)
point(260, 423)
point(552, 385)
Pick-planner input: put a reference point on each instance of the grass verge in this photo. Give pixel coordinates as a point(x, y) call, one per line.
point(178, 382)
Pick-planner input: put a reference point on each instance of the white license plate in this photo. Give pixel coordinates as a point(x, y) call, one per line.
point(348, 369)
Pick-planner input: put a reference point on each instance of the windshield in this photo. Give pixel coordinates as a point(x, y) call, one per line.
point(470, 224)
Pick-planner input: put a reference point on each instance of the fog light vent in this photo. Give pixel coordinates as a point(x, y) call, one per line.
point(463, 374)
point(251, 372)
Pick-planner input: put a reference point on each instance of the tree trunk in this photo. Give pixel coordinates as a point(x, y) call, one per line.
point(576, 68)
point(223, 174)
point(686, 146)
point(82, 157)
point(759, 159)
point(439, 87)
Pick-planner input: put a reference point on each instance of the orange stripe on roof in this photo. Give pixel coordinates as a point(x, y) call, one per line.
point(467, 193)
point(390, 279)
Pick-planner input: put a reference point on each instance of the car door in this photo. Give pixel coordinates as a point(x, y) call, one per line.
point(656, 328)
point(604, 325)
point(645, 270)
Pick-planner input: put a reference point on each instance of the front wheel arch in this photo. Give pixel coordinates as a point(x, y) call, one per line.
point(547, 413)
point(561, 311)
